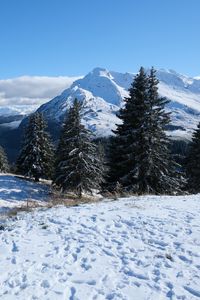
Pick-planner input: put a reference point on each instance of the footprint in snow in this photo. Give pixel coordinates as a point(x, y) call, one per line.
point(72, 258)
point(137, 275)
point(188, 231)
point(13, 260)
point(94, 218)
point(45, 284)
point(185, 259)
point(198, 267)
point(192, 291)
point(73, 292)
point(74, 255)
point(89, 282)
point(14, 247)
point(170, 293)
point(108, 252)
point(86, 266)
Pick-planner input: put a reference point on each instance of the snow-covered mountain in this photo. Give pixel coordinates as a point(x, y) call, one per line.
point(102, 93)
point(101, 97)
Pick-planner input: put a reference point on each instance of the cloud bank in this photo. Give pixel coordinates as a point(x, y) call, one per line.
point(32, 90)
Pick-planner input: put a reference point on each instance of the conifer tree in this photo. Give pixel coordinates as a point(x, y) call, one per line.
point(140, 157)
point(78, 166)
point(124, 148)
point(162, 173)
point(4, 166)
point(193, 163)
point(36, 157)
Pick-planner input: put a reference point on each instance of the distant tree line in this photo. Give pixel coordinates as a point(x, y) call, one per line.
point(138, 159)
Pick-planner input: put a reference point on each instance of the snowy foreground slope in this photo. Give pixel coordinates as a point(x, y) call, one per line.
point(15, 192)
point(135, 248)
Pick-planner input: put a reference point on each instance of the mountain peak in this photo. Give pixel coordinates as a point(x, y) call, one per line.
point(98, 71)
point(101, 83)
point(102, 92)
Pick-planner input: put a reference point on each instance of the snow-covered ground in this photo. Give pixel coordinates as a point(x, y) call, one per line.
point(135, 248)
point(15, 192)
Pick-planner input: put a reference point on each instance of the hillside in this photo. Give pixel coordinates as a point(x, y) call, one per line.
point(134, 248)
point(16, 191)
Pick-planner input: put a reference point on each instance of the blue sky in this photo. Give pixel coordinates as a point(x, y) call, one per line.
point(71, 37)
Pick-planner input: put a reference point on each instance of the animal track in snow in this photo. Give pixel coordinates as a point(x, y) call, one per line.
point(110, 250)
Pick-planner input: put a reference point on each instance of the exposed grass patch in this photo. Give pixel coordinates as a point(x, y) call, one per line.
point(70, 200)
point(55, 199)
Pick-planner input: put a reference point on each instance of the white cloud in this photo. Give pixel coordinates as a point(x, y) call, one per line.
point(32, 90)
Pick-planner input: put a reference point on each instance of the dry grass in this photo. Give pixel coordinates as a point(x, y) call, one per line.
point(116, 195)
point(29, 206)
point(70, 200)
point(55, 199)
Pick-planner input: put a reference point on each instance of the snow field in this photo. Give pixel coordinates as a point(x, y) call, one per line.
point(16, 191)
point(134, 248)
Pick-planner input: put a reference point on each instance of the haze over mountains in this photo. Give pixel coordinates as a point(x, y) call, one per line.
point(102, 93)
point(21, 96)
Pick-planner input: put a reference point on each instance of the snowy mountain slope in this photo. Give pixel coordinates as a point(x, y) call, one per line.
point(103, 91)
point(98, 115)
point(101, 97)
point(101, 83)
point(138, 248)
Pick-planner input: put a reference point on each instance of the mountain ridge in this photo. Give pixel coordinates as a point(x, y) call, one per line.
point(102, 93)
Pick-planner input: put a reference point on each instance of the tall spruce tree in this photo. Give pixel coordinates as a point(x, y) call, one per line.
point(78, 166)
point(193, 163)
point(4, 165)
point(162, 173)
point(140, 158)
point(36, 158)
